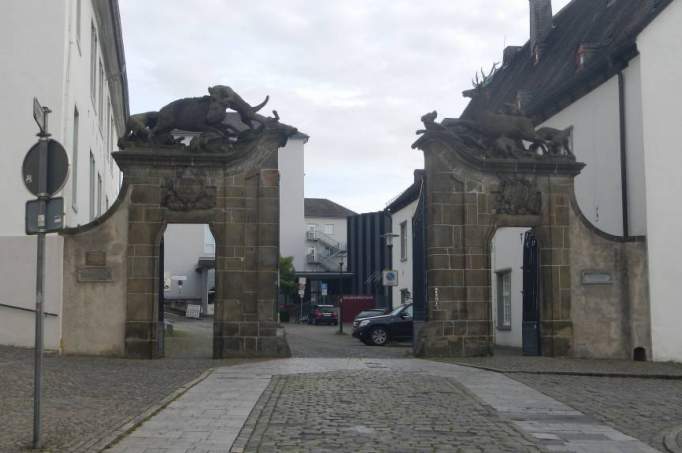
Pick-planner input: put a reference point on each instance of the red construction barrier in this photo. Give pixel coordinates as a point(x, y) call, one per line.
point(352, 305)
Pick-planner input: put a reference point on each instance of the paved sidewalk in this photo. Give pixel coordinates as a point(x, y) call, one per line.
point(346, 405)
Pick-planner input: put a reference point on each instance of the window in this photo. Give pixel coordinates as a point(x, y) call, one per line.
point(504, 300)
point(92, 186)
point(78, 24)
point(101, 95)
point(93, 63)
point(405, 296)
point(99, 194)
point(403, 241)
point(209, 241)
point(329, 229)
point(74, 161)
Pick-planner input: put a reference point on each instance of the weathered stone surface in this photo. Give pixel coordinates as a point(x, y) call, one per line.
point(237, 196)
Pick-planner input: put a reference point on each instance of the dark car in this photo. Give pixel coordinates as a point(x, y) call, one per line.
point(367, 314)
point(323, 314)
point(379, 330)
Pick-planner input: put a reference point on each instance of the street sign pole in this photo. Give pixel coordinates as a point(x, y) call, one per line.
point(43, 196)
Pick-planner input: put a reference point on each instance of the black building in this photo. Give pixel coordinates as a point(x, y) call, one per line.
point(369, 255)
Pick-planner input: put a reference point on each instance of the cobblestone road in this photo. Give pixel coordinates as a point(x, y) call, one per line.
point(84, 398)
point(642, 408)
point(368, 411)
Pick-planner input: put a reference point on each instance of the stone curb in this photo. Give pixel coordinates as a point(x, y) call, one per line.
point(672, 440)
point(567, 373)
point(102, 443)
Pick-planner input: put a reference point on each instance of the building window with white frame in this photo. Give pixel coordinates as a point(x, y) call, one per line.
point(403, 241)
point(99, 194)
point(504, 321)
point(78, 24)
point(74, 161)
point(101, 95)
point(329, 229)
point(92, 186)
point(93, 63)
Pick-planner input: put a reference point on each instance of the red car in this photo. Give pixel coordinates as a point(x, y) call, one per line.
point(323, 314)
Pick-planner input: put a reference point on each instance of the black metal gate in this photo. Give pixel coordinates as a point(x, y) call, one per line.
point(161, 318)
point(531, 304)
point(419, 282)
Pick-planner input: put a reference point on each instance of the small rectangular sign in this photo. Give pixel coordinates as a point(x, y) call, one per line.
point(49, 222)
point(596, 278)
point(94, 274)
point(193, 311)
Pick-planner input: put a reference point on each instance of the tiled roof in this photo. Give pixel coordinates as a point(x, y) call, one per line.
point(321, 207)
point(408, 195)
point(608, 27)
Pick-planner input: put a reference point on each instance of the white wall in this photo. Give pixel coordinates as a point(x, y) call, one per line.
point(291, 205)
point(659, 45)
point(404, 267)
point(42, 57)
point(596, 142)
point(183, 246)
point(18, 288)
point(507, 254)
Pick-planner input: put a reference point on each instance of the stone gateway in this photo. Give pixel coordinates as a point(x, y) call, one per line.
point(111, 305)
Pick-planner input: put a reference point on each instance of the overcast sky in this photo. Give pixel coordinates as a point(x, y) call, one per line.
point(355, 75)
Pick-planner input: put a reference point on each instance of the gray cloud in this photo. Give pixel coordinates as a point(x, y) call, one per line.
point(355, 75)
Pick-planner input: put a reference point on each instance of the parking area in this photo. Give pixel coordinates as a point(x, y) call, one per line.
point(325, 342)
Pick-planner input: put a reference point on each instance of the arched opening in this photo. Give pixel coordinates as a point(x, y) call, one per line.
point(639, 354)
point(515, 308)
point(187, 290)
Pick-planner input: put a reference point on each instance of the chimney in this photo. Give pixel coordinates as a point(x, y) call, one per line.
point(509, 54)
point(540, 26)
point(418, 176)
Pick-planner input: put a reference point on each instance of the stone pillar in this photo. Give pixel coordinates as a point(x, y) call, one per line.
point(467, 199)
point(145, 227)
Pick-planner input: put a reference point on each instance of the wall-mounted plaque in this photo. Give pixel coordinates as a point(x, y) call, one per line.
point(94, 274)
point(596, 278)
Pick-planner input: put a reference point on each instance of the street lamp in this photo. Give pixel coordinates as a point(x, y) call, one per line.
point(341, 296)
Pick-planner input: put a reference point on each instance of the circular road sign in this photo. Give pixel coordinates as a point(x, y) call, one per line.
point(57, 167)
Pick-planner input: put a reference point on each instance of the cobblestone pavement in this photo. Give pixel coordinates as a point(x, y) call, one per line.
point(324, 342)
point(309, 404)
point(84, 397)
point(643, 408)
point(379, 411)
point(190, 338)
point(511, 360)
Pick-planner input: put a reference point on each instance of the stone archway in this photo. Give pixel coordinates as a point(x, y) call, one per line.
point(471, 191)
point(111, 266)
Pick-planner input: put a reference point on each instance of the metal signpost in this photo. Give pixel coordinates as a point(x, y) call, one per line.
point(44, 173)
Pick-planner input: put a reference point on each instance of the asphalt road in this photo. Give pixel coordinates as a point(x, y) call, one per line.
point(325, 342)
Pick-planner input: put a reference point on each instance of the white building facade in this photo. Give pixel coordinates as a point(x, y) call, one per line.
point(326, 234)
point(69, 55)
point(615, 80)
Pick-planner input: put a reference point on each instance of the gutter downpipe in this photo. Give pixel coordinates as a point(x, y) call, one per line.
point(623, 155)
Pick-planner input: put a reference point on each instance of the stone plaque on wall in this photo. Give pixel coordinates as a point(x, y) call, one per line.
point(94, 274)
point(95, 258)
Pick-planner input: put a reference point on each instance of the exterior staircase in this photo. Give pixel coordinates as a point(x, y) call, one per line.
point(337, 253)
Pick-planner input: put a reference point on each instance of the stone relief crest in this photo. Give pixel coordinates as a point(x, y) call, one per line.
point(518, 196)
point(188, 191)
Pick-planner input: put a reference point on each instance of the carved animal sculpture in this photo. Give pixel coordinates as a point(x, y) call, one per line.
point(558, 141)
point(205, 114)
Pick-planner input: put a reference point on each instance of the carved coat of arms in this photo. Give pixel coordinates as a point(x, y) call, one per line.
point(188, 191)
point(518, 196)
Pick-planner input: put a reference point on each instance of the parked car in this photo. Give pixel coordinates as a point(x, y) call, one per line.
point(367, 314)
point(323, 314)
point(379, 330)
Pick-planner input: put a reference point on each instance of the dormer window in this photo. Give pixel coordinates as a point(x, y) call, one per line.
point(584, 54)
